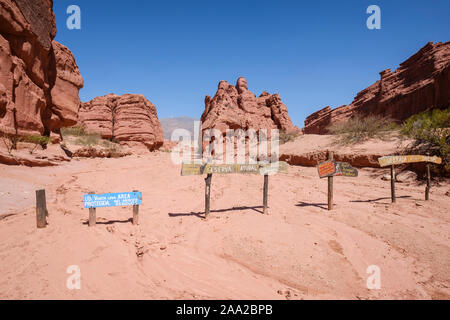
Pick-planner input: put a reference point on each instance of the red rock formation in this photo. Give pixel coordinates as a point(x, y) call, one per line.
point(34, 94)
point(65, 99)
point(235, 107)
point(129, 119)
point(420, 83)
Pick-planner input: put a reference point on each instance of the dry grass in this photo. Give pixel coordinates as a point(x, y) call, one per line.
point(286, 137)
point(359, 129)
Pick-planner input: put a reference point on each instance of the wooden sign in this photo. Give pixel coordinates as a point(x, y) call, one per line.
point(93, 201)
point(112, 200)
point(327, 169)
point(189, 169)
point(394, 160)
point(346, 170)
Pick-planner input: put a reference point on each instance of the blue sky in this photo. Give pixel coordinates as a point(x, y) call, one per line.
point(313, 53)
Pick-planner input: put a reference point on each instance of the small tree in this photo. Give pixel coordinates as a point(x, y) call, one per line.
point(431, 131)
point(10, 141)
point(38, 141)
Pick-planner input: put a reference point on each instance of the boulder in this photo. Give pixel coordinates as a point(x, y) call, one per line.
point(405, 176)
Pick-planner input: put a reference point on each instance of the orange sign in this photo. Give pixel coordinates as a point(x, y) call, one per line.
point(326, 169)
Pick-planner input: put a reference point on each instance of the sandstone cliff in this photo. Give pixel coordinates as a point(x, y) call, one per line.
point(235, 107)
point(39, 79)
point(420, 83)
point(129, 119)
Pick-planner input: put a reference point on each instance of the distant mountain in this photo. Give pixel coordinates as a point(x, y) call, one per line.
point(170, 124)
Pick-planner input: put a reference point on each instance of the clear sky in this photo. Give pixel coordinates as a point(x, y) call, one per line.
point(313, 53)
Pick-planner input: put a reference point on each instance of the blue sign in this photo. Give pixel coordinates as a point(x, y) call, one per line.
point(112, 200)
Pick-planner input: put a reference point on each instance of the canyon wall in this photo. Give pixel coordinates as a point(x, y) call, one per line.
point(420, 83)
point(39, 79)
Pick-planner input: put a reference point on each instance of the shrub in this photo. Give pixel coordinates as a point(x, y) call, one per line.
point(37, 140)
point(286, 137)
point(89, 140)
point(75, 131)
point(358, 129)
point(431, 131)
point(10, 141)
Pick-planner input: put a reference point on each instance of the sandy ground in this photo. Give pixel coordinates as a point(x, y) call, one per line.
point(299, 251)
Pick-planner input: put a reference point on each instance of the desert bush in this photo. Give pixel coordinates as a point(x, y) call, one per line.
point(89, 140)
point(114, 148)
point(358, 129)
point(10, 141)
point(286, 137)
point(75, 131)
point(431, 132)
point(38, 140)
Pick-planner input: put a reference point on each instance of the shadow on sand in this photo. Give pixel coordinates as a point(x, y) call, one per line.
point(111, 222)
point(379, 199)
point(323, 206)
point(201, 215)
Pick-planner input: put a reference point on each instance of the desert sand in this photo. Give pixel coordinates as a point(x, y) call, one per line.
point(299, 251)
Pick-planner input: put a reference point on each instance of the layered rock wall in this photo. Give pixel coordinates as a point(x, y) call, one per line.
point(39, 79)
point(420, 83)
point(129, 119)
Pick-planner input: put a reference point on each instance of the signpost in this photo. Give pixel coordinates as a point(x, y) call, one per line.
point(93, 201)
point(346, 170)
point(329, 169)
point(394, 160)
point(331, 181)
point(41, 209)
point(190, 169)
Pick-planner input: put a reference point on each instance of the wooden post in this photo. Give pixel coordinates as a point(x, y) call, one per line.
point(266, 191)
point(330, 184)
point(135, 213)
point(427, 190)
point(92, 215)
point(41, 209)
point(393, 184)
point(208, 194)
